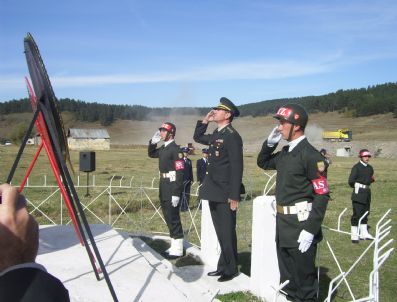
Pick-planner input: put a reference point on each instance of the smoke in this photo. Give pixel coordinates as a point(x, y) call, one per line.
point(313, 133)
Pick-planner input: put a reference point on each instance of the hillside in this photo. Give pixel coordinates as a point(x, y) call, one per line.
point(373, 132)
point(373, 100)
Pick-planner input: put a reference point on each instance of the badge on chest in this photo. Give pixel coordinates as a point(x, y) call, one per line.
point(218, 145)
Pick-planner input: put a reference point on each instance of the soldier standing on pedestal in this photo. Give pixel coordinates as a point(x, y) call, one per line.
point(222, 184)
point(302, 198)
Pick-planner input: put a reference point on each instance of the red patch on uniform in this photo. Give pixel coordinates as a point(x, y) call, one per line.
point(284, 112)
point(320, 186)
point(179, 164)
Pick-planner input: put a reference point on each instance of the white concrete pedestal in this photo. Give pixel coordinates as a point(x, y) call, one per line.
point(210, 248)
point(264, 265)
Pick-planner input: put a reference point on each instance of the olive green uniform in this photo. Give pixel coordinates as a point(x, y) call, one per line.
point(221, 183)
point(300, 177)
point(169, 161)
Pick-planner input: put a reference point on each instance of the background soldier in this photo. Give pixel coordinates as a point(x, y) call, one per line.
point(302, 198)
point(222, 183)
point(187, 179)
point(361, 176)
point(201, 166)
point(326, 156)
point(171, 184)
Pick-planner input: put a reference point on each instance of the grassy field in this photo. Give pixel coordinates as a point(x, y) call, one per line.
point(139, 171)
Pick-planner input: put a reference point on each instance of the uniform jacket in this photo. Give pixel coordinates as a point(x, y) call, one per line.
point(31, 285)
point(300, 177)
point(201, 169)
point(225, 163)
point(363, 175)
point(188, 171)
point(168, 161)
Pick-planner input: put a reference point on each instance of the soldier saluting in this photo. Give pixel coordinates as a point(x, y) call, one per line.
point(222, 183)
point(171, 184)
point(302, 198)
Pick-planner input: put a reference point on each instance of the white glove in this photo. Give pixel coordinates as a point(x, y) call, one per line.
point(156, 137)
point(274, 137)
point(305, 240)
point(175, 201)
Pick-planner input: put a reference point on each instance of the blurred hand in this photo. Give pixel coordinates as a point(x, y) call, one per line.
point(156, 137)
point(175, 201)
point(233, 204)
point(305, 240)
point(19, 233)
point(274, 137)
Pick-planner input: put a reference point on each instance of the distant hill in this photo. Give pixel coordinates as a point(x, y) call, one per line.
point(378, 99)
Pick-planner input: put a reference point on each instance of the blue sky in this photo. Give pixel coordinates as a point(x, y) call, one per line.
point(191, 53)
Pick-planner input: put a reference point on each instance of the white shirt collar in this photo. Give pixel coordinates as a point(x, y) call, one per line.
point(363, 163)
point(220, 128)
point(295, 142)
point(168, 142)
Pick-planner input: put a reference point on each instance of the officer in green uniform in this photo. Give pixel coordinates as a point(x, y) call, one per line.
point(361, 176)
point(171, 168)
point(302, 196)
point(222, 183)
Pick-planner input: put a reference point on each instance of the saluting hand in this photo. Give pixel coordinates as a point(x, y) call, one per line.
point(209, 117)
point(233, 204)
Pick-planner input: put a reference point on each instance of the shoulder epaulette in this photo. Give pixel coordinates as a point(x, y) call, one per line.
point(230, 129)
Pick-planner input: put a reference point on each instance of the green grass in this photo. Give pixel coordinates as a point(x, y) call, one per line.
point(135, 163)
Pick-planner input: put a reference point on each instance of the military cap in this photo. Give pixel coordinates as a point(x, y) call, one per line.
point(205, 150)
point(227, 105)
point(170, 127)
point(293, 113)
point(185, 149)
point(364, 152)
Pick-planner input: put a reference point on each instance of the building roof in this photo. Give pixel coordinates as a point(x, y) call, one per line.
point(88, 133)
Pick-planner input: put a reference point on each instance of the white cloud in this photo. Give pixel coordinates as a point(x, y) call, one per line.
point(232, 71)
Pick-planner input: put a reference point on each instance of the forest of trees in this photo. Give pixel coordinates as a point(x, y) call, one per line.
point(376, 99)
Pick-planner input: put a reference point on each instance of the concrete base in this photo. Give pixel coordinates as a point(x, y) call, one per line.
point(136, 271)
point(210, 248)
point(265, 274)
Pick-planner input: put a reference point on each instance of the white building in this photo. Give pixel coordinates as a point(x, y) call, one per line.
point(88, 139)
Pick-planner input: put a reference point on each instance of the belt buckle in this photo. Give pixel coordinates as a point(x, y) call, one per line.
point(302, 210)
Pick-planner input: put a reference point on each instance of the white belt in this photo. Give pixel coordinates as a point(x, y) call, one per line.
point(291, 209)
point(357, 187)
point(171, 175)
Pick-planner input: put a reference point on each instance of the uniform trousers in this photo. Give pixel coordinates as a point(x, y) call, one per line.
point(172, 218)
point(185, 198)
point(358, 211)
point(299, 268)
point(224, 220)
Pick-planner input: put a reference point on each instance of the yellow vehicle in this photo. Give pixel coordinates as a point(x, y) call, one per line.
point(340, 135)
